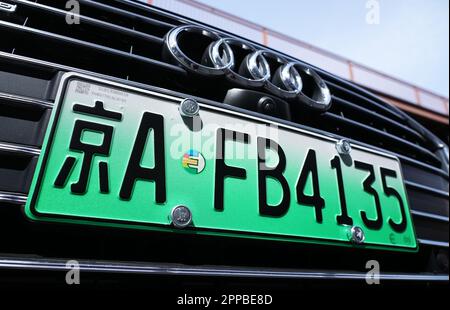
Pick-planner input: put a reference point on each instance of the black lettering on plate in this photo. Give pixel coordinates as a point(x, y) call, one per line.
point(104, 180)
point(390, 191)
point(65, 171)
point(276, 173)
point(343, 218)
point(315, 200)
point(89, 150)
point(98, 110)
point(222, 169)
point(135, 171)
point(377, 223)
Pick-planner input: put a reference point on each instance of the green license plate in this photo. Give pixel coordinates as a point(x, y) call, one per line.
point(119, 156)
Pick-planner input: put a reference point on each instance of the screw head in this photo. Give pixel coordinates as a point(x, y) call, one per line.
point(357, 235)
point(189, 108)
point(181, 216)
point(344, 147)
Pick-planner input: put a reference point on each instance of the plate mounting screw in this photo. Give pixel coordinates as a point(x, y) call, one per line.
point(181, 216)
point(357, 235)
point(189, 107)
point(344, 147)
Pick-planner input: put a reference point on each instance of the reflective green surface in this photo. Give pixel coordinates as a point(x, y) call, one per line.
point(191, 181)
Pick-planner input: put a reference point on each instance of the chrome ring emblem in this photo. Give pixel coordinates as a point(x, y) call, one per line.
point(221, 55)
point(286, 82)
point(242, 75)
point(258, 68)
point(291, 78)
point(320, 96)
point(222, 52)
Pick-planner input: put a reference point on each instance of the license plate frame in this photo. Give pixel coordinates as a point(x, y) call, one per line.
point(33, 213)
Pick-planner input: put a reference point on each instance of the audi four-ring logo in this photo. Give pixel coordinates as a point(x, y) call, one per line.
point(293, 81)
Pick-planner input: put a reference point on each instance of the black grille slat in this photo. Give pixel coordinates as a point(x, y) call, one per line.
point(92, 30)
point(123, 18)
point(22, 123)
point(105, 57)
point(424, 202)
point(362, 112)
point(345, 93)
point(32, 102)
point(430, 216)
point(384, 139)
point(378, 118)
point(16, 169)
point(36, 8)
point(350, 89)
point(427, 189)
point(131, 11)
point(432, 229)
point(420, 172)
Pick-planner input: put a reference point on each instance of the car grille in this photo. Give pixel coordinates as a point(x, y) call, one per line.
point(124, 40)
